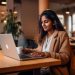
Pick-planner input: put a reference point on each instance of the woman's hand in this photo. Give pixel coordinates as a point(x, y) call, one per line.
point(41, 54)
point(38, 54)
point(27, 50)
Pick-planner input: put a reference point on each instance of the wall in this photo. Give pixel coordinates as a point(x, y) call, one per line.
point(29, 17)
point(55, 6)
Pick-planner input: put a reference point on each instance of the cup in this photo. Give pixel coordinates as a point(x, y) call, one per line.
point(19, 49)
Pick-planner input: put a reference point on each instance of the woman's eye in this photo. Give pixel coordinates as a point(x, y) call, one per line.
point(46, 21)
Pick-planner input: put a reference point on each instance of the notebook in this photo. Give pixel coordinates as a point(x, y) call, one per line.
point(9, 48)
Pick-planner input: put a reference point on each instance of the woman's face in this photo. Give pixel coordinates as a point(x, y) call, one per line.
point(47, 24)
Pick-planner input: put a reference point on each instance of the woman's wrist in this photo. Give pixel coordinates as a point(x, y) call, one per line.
point(47, 54)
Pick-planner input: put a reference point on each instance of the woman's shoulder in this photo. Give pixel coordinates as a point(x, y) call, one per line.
point(62, 34)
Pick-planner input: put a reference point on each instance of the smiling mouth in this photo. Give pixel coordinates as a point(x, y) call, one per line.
point(44, 27)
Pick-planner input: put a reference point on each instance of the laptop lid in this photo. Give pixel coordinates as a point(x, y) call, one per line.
point(8, 46)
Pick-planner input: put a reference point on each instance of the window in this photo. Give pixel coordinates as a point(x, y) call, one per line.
point(74, 22)
point(69, 26)
point(61, 18)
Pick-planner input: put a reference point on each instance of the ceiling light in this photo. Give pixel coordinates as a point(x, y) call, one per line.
point(15, 12)
point(4, 2)
point(67, 12)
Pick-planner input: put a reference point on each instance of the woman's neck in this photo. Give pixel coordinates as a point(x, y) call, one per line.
point(50, 32)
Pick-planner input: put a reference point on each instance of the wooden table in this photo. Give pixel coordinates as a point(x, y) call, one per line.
point(9, 65)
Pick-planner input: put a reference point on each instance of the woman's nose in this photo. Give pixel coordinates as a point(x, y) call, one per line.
point(43, 24)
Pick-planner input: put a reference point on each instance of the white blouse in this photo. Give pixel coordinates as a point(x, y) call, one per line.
point(47, 43)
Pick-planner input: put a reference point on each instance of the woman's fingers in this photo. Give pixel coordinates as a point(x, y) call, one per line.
point(26, 50)
point(37, 54)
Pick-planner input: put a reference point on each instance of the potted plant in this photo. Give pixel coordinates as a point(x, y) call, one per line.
point(12, 26)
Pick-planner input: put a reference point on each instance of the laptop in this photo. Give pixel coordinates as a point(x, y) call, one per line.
point(9, 48)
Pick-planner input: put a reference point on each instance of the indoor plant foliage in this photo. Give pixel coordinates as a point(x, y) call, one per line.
point(12, 26)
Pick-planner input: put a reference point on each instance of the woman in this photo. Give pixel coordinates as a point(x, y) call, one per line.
point(53, 42)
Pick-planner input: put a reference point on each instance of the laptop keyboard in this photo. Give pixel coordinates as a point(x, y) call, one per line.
point(24, 56)
point(28, 56)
